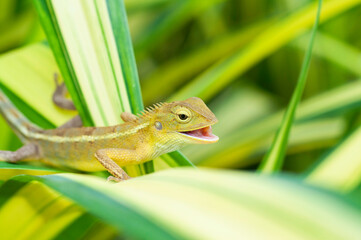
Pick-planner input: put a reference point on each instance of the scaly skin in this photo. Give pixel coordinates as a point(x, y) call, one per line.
point(159, 130)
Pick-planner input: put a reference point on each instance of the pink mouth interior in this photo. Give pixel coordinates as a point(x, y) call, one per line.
point(203, 133)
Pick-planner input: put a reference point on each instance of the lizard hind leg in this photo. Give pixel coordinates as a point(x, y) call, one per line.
point(59, 98)
point(29, 151)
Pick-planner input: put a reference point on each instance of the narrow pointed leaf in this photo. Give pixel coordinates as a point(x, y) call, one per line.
point(273, 160)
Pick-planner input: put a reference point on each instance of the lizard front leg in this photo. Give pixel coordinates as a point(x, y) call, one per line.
point(29, 151)
point(128, 117)
point(109, 156)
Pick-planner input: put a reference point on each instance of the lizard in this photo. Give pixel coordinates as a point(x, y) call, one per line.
point(160, 129)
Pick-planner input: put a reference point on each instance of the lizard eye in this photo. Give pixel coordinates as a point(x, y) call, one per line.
point(183, 115)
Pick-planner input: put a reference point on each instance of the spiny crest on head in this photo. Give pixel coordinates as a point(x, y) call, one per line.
point(147, 111)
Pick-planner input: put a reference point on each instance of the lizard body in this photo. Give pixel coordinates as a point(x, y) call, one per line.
point(160, 129)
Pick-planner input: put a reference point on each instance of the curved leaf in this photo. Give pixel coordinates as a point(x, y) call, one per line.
point(170, 205)
point(341, 168)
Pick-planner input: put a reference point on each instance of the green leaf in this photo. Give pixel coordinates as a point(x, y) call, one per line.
point(118, 19)
point(274, 158)
point(159, 202)
point(22, 77)
point(87, 227)
point(8, 170)
point(176, 159)
point(91, 52)
point(43, 212)
point(341, 168)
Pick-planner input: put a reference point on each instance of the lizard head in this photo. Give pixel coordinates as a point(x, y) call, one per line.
point(188, 121)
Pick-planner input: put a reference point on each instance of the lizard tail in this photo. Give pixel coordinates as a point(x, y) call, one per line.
point(18, 122)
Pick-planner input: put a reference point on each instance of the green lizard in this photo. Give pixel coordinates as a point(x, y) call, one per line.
point(160, 129)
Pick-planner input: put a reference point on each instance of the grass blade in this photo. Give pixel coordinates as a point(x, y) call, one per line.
point(273, 160)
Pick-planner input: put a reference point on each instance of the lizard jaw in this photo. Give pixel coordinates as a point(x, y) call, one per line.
point(202, 135)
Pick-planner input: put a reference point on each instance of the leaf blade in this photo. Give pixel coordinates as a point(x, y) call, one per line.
point(274, 158)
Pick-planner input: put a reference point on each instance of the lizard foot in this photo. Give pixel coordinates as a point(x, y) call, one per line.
point(115, 179)
point(59, 98)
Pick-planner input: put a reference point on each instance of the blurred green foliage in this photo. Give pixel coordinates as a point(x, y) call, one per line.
point(243, 58)
point(19, 24)
point(187, 46)
point(178, 41)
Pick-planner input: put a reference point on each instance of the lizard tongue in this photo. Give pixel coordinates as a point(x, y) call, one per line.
point(204, 134)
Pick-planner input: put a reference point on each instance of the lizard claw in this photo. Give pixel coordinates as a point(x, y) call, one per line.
point(115, 179)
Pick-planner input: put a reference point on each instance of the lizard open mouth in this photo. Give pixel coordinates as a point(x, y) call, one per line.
point(205, 135)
